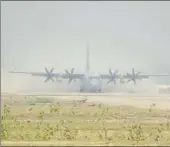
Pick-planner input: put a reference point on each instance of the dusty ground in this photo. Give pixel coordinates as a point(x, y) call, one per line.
point(149, 111)
point(137, 100)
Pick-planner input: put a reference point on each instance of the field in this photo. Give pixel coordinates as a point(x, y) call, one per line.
point(49, 121)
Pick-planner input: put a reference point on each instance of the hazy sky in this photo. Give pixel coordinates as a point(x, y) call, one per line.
point(121, 35)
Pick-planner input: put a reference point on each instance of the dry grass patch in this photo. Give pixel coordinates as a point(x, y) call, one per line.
point(74, 123)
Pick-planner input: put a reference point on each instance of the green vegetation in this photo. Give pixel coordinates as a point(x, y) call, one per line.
point(44, 121)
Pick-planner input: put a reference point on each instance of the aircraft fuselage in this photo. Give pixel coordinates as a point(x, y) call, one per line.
point(90, 85)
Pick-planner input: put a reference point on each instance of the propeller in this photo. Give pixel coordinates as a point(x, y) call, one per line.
point(133, 76)
point(70, 75)
point(113, 75)
point(49, 75)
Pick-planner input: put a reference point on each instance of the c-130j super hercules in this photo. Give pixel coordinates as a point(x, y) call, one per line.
point(86, 78)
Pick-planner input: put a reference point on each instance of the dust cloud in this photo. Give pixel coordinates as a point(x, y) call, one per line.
point(120, 36)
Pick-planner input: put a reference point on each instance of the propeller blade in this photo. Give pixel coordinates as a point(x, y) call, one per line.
point(133, 76)
point(108, 81)
point(72, 70)
point(69, 81)
point(112, 76)
point(52, 70)
point(137, 74)
point(135, 82)
point(133, 71)
point(46, 80)
point(46, 70)
point(67, 73)
point(115, 73)
point(110, 72)
point(70, 75)
point(49, 75)
point(114, 81)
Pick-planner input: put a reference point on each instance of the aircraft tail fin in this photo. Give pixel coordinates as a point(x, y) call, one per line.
point(87, 59)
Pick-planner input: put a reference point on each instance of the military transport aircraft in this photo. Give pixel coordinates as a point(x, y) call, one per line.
point(87, 79)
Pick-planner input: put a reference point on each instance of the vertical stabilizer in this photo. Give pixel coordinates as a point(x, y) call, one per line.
point(87, 59)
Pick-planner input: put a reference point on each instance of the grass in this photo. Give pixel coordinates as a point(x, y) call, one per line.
point(44, 121)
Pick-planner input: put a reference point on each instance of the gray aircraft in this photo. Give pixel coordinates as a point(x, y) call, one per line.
point(89, 81)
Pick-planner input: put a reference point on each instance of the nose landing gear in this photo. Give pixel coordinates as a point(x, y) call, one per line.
point(81, 90)
point(99, 90)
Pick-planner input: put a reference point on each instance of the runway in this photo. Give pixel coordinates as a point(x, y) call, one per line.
point(114, 99)
point(91, 94)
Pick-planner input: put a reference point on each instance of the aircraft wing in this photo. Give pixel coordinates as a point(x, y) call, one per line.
point(41, 74)
point(156, 75)
point(146, 76)
point(80, 76)
point(73, 76)
point(108, 76)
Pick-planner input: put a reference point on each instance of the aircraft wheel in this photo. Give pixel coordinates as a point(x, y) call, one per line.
point(99, 90)
point(81, 90)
